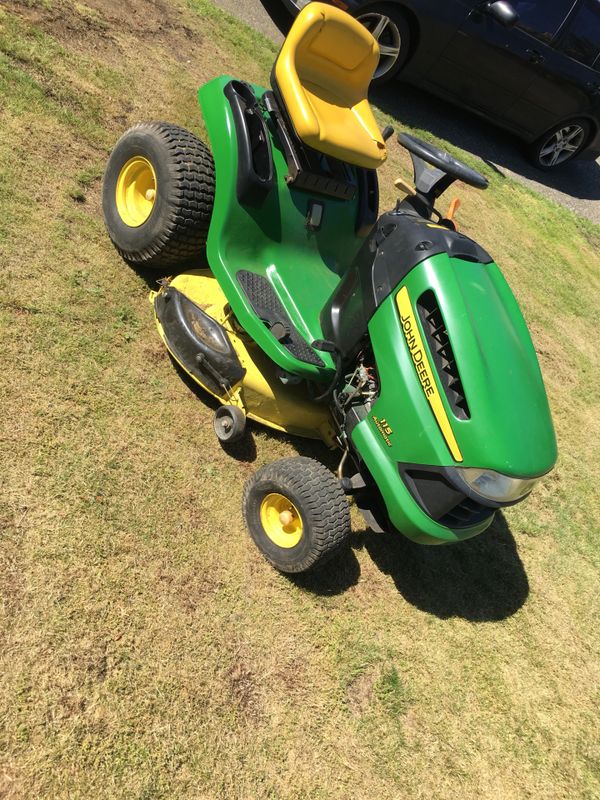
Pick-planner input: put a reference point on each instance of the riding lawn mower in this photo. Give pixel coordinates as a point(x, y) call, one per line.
point(393, 336)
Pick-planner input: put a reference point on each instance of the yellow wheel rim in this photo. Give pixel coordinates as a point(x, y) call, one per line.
point(281, 520)
point(136, 191)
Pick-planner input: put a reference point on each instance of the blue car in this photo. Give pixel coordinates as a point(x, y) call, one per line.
point(531, 66)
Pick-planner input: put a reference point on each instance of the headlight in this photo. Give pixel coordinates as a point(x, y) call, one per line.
point(495, 486)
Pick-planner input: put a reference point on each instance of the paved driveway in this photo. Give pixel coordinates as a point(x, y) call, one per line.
point(576, 186)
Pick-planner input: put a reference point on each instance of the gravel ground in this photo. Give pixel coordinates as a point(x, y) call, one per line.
point(576, 186)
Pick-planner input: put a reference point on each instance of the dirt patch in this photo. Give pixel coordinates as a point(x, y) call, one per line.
point(154, 353)
point(189, 590)
point(361, 691)
point(243, 689)
point(102, 27)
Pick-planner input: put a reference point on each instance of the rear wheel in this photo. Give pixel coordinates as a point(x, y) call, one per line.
point(297, 513)
point(560, 144)
point(158, 195)
point(392, 32)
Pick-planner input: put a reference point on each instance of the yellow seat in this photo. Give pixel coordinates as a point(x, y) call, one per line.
point(322, 74)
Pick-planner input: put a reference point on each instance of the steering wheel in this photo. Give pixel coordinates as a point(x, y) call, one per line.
point(443, 161)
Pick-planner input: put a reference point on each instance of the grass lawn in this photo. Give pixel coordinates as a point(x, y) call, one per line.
point(146, 649)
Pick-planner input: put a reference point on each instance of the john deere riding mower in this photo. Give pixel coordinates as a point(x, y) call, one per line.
point(394, 338)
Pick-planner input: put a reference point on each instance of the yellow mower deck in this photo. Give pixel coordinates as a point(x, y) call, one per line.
point(261, 395)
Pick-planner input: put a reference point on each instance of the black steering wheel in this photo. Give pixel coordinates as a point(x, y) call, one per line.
point(442, 161)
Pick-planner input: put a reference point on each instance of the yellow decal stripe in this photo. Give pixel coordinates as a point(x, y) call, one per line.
point(425, 374)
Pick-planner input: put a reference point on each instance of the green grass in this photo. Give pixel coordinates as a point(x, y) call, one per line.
point(146, 649)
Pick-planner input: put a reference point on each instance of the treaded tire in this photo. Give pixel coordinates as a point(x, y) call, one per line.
point(320, 501)
point(176, 230)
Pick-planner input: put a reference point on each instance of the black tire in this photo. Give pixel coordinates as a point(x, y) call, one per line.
point(575, 133)
point(396, 34)
point(320, 502)
point(229, 423)
point(177, 227)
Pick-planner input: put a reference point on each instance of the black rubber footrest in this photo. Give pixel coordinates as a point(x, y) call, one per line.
point(270, 309)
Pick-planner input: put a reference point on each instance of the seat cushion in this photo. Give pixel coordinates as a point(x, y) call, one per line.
point(323, 73)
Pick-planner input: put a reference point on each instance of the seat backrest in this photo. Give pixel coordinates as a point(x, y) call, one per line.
point(323, 74)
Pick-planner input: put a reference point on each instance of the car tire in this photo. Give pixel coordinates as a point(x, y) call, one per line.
point(392, 31)
point(158, 194)
point(318, 516)
point(560, 144)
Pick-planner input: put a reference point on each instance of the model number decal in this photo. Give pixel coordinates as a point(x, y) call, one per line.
point(384, 429)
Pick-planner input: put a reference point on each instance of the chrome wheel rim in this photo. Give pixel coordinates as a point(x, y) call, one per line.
point(561, 145)
point(386, 32)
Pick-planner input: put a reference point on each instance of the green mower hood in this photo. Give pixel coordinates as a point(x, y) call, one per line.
point(460, 384)
point(472, 342)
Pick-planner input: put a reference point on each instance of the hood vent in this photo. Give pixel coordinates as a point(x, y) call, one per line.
point(465, 514)
point(443, 355)
point(433, 490)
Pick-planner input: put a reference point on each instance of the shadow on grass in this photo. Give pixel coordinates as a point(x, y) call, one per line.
point(152, 275)
point(480, 580)
point(334, 577)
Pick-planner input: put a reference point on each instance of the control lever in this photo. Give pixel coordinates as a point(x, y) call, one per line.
point(405, 187)
point(453, 208)
point(448, 220)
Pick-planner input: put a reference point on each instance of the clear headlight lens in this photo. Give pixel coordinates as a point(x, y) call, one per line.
point(496, 486)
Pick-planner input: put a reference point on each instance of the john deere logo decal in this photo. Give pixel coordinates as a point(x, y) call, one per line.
point(425, 374)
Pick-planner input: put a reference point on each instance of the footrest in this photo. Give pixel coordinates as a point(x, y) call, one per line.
point(270, 309)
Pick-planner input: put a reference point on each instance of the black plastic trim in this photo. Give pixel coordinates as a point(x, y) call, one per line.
point(181, 321)
point(308, 169)
point(368, 201)
point(255, 175)
point(438, 340)
point(270, 309)
point(441, 499)
point(401, 240)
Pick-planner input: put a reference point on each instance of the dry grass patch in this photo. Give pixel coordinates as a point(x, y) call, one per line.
point(147, 649)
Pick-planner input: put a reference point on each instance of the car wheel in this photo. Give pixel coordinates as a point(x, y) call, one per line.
point(560, 144)
point(390, 28)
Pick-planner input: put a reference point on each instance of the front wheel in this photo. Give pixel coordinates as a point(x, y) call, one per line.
point(392, 32)
point(158, 194)
point(560, 144)
point(296, 513)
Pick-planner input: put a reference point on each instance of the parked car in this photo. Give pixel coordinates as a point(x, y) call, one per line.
point(531, 66)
